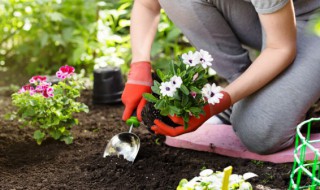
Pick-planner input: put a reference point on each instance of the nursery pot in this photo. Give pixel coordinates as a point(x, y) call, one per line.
point(107, 86)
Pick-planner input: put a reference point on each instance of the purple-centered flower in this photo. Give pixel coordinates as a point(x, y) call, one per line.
point(191, 58)
point(37, 78)
point(167, 89)
point(205, 58)
point(65, 72)
point(176, 81)
point(48, 92)
point(212, 93)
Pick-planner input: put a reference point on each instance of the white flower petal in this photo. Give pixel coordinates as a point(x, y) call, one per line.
point(167, 89)
point(206, 172)
point(176, 81)
point(191, 58)
point(245, 186)
point(249, 175)
point(205, 58)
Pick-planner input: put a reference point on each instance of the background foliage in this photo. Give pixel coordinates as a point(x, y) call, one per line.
point(38, 36)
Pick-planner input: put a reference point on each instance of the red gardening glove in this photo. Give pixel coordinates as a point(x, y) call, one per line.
point(139, 82)
point(194, 123)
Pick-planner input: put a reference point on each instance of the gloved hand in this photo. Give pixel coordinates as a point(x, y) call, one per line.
point(209, 109)
point(139, 82)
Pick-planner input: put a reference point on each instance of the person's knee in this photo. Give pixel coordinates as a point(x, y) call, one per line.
point(263, 136)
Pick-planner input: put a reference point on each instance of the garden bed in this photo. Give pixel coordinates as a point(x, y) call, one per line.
point(54, 165)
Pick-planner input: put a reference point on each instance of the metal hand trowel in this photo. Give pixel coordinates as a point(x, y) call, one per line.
point(126, 144)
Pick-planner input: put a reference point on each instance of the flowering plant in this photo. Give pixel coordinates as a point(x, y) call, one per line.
point(185, 89)
point(49, 108)
point(208, 179)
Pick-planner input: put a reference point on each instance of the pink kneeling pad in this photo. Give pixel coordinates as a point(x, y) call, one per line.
point(221, 139)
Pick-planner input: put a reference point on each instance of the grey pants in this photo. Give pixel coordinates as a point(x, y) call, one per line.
point(265, 121)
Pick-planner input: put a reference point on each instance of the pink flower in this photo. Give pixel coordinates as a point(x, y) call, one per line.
point(48, 92)
point(65, 72)
point(32, 91)
point(42, 87)
point(37, 78)
point(193, 94)
point(22, 90)
point(39, 89)
point(26, 88)
point(46, 84)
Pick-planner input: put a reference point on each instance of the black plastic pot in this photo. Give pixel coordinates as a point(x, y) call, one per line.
point(107, 86)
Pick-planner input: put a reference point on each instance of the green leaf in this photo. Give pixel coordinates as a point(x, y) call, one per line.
point(10, 116)
point(195, 109)
point(68, 139)
point(185, 100)
point(176, 96)
point(155, 89)
point(76, 121)
point(44, 39)
point(184, 89)
point(45, 126)
point(195, 89)
point(55, 16)
point(160, 75)
point(175, 110)
point(165, 111)
point(57, 112)
point(160, 105)
point(56, 134)
point(67, 33)
point(150, 97)
point(38, 136)
point(182, 183)
point(156, 83)
point(157, 48)
point(185, 120)
point(28, 112)
point(172, 68)
point(173, 34)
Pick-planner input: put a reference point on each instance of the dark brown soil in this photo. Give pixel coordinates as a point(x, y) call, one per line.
point(54, 165)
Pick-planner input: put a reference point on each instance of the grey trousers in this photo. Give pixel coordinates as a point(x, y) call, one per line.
point(266, 120)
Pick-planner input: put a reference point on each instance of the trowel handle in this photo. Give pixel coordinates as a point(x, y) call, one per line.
point(133, 120)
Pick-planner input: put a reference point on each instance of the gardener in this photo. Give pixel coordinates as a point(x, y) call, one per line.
point(270, 95)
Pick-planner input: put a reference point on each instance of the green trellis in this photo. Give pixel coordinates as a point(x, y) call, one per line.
point(302, 167)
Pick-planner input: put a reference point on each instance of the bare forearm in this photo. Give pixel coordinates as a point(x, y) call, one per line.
point(266, 67)
point(144, 21)
point(279, 53)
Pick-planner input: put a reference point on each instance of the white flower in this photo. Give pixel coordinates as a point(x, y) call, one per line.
point(235, 179)
point(167, 89)
point(205, 58)
point(245, 186)
point(176, 81)
point(206, 91)
point(210, 180)
point(206, 172)
point(190, 58)
point(212, 93)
